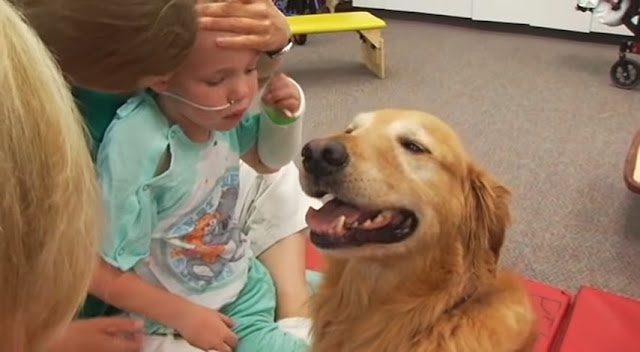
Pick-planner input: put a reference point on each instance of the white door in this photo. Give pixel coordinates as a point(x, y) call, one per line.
point(507, 11)
point(455, 8)
point(371, 4)
point(558, 14)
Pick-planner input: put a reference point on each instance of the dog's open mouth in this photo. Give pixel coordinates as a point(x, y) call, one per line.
point(338, 224)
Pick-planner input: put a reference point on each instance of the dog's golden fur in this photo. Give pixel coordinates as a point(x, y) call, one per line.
point(439, 290)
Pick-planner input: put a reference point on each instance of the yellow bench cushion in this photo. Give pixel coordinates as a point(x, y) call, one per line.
point(334, 22)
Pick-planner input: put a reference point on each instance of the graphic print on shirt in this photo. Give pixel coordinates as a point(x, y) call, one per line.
point(201, 249)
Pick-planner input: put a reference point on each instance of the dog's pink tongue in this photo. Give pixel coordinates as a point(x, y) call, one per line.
point(323, 219)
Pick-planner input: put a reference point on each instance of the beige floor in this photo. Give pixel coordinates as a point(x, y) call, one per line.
point(538, 111)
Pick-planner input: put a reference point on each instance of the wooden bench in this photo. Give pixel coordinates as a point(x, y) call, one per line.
point(368, 26)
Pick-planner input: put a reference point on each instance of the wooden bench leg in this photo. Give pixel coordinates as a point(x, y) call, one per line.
point(372, 51)
point(632, 165)
point(331, 5)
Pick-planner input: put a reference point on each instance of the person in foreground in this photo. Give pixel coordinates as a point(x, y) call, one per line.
point(50, 217)
point(104, 49)
point(169, 171)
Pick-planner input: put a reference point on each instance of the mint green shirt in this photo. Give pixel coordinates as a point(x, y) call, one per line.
point(177, 229)
point(98, 110)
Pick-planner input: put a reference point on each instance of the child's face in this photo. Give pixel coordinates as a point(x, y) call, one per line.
point(214, 87)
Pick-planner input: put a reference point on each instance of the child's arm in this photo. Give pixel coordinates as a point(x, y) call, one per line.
point(127, 291)
point(280, 126)
point(202, 327)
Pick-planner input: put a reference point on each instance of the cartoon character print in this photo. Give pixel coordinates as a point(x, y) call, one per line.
point(197, 241)
point(203, 254)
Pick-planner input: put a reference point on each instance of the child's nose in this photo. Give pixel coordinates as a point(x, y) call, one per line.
point(241, 91)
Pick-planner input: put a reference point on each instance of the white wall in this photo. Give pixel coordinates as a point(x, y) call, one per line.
point(555, 14)
point(456, 8)
point(507, 11)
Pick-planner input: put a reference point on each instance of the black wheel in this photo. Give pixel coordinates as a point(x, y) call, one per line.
point(344, 6)
point(300, 39)
point(625, 73)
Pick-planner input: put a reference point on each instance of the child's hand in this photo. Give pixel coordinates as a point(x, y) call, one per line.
point(282, 93)
point(207, 329)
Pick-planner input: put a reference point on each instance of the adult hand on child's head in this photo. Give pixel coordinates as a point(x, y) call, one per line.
point(207, 329)
point(100, 335)
point(282, 93)
point(261, 25)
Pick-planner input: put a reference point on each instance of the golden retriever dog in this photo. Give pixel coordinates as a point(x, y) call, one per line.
point(411, 229)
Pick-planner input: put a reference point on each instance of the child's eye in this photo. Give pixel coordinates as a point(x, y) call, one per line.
point(214, 82)
point(251, 70)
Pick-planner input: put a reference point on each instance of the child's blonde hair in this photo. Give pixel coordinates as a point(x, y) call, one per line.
point(51, 215)
point(113, 44)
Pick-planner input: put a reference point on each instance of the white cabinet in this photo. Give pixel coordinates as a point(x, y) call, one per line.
point(559, 14)
point(507, 11)
point(371, 4)
point(554, 14)
point(455, 8)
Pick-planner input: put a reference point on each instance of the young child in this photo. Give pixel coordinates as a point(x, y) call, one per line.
point(169, 170)
point(104, 49)
point(50, 218)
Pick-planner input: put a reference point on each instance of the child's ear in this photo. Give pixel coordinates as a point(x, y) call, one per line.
point(155, 83)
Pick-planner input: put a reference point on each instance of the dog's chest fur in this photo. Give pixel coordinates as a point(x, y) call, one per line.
point(363, 308)
point(369, 319)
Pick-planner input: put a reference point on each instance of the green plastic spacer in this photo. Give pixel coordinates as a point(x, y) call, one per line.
point(277, 117)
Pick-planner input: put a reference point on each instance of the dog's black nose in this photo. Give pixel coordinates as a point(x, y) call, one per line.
point(322, 157)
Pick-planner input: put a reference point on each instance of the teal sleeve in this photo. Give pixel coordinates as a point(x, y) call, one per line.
point(98, 110)
point(126, 162)
point(246, 133)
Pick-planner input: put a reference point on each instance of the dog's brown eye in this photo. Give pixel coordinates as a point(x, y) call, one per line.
point(413, 147)
point(348, 130)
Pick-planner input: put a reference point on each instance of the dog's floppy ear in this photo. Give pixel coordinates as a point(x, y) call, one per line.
point(489, 215)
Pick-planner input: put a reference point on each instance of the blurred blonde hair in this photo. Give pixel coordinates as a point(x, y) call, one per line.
point(51, 215)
